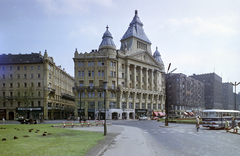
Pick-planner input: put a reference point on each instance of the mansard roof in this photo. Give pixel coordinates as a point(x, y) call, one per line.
point(21, 58)
point(136, 29)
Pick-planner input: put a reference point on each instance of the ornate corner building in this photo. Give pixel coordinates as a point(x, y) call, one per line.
point(136, 78)
point(32, 85)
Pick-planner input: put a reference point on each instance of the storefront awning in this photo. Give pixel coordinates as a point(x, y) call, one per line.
point(155, 113)
point(162, 113)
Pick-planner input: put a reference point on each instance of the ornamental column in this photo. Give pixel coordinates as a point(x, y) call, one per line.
point(127, 75)
point(151, 80)
point(134, 76)
point(146, 81)
point(140, 78)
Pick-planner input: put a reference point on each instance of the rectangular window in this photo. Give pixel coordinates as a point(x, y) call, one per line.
point(99, 63)
point(81, 83)
point(114, 74)
point(19, 104)
point(39, 103)
point(32, 84)
point(111, 73)
point(39, 67)
point(102, 63)
point(79, 73)
point(82, 73)
point(149, 106)
point(89, 94)
point(49, 67)
point(39, 84)
point(39, 75)
point(92, 73)
point(100, 83)
point(25, 67)
point(123, 75)
point(91, 84)
point(123, 84)
point(99, 73)
point(10, 76)
point(124, 105)
point(89, 73)
point(3, 68)
point(32, 76)
point(18, 67)
point(143, 106)
point(11, 85)
point(113, 105)
point(3, 85)
point(130, 105)
point(93, 94)
point(113, 84)
point(50, 76)
point(137, 106)
point(18, 85)
point(3, 76)
point(18, 76)
point(39, 93)
point(114, 64)
point(10, 67)
point(111, 63)
point(25, 76)
point(89, 63)
point(99, 94)
point(79, 64)
point(82, 64)
point(93, 63)
point(102, 72)
point(32, 67)
point(25, 85)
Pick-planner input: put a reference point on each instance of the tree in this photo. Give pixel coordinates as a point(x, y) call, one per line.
point(25, 95)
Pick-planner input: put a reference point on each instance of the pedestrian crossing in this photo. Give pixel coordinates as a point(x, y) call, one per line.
point(182, 131)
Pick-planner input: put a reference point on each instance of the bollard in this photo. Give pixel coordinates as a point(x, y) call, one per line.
point(64, 125)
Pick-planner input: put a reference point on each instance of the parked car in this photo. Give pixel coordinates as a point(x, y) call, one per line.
point(155, 118)
point(143, 118)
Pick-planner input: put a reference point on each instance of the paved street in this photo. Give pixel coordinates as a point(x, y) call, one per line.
point(184, 140)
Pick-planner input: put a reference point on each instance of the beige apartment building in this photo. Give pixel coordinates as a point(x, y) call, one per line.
point(31, 85)
point(135, 76)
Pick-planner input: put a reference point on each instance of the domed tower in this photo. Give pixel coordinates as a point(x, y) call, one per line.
point(107, 41)
point(157, 56)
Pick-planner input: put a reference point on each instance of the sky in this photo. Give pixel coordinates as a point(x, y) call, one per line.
point(195, 36)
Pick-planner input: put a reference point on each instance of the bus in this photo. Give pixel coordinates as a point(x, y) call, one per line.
point(215, 118)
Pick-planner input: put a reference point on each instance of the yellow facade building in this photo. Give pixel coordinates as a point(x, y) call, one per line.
point(135, 76)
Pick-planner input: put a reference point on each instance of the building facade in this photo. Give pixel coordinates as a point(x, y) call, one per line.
point(185, 95)
point(228, 96)
point(31, 85)
point(212, 90)
point(135, 77)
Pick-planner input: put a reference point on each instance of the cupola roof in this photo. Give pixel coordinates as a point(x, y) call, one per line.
point(107, 39)
point(157, 56)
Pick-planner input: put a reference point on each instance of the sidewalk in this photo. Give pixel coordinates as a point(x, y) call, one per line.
point(120, 140)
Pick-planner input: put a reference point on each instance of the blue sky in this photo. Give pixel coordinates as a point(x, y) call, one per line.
point(196, 36)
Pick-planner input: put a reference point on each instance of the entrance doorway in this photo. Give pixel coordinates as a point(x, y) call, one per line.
point(124, 116)
point(131, 115)
point(114, 116)
point(11, 115)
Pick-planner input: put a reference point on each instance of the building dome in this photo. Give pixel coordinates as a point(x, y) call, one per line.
point(157, 56)
point(107, 39)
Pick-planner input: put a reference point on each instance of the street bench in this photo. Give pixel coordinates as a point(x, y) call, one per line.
point(85, 123)
point(99, 122)
point(68, 124)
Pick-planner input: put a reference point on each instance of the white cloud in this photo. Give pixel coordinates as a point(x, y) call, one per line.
point(71, 7)
point(199, 26)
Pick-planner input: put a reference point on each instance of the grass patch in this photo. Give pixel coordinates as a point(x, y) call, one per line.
point(58, 141)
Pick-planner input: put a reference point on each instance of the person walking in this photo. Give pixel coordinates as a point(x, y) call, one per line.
point(3, 120)
point(235, 125)
point(197, 123)
point(226, 125)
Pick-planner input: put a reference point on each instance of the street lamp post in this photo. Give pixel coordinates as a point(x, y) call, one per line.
point(166, 99)
point(105, 89)
point(235, 85)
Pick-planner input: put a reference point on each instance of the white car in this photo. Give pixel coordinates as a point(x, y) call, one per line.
point(143, 118)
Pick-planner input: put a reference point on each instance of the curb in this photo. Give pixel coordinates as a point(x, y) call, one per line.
point(105, 147)
point(168, 126)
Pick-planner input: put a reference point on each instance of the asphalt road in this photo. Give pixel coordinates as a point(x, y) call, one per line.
point(183, 139)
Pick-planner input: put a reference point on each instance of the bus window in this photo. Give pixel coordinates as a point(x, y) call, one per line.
point(212, 114)
point(205, 114)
